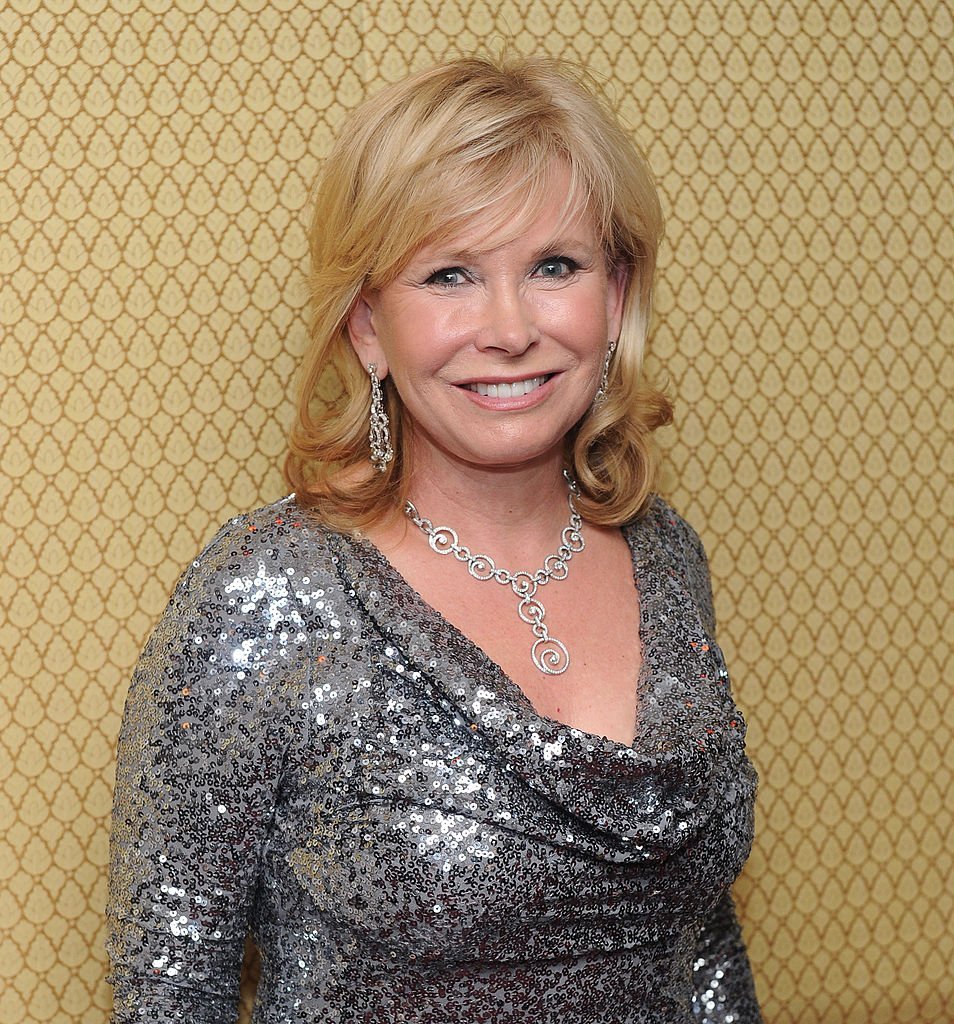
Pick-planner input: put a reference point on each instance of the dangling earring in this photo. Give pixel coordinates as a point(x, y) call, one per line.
point(600, 395)
point(379, 435)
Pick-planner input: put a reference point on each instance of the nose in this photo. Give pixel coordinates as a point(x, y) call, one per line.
point(509, 321)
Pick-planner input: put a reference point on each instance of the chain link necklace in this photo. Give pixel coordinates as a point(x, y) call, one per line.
point(548, 654)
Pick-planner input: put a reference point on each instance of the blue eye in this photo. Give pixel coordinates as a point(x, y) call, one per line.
point(448, 277)
point(557, 267)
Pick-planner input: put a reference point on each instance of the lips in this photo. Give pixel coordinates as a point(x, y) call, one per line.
point(511, 389)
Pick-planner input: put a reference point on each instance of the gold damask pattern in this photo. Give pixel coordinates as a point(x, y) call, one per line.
point(155, 159)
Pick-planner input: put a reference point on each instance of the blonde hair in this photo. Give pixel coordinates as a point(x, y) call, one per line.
point(417, 162)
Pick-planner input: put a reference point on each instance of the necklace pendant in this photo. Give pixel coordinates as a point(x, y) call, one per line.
point(548, 654)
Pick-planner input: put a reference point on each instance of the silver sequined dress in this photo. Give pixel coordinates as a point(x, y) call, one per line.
point(310, 751)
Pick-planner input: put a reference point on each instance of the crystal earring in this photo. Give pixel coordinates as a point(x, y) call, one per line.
point(600, 395)
point(379, 435)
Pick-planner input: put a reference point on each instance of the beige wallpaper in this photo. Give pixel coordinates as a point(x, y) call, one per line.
point(155, 158)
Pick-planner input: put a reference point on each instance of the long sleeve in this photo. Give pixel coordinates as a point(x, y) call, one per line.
point(204, 736)
point(723, 989)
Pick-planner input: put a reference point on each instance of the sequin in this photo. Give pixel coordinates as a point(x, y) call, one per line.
point(407, 840)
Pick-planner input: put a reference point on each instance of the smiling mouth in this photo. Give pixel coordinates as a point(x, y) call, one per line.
point(516, 389)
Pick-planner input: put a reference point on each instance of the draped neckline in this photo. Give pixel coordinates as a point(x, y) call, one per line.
point(625, 801)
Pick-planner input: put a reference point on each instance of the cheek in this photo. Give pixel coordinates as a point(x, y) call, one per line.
point(583, 325)
point(415, 365)
point(438, 351)
point(585, 303)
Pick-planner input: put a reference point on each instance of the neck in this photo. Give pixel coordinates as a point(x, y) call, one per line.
point(516, 515)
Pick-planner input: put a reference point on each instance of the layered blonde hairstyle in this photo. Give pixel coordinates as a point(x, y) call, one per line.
point(416, 163)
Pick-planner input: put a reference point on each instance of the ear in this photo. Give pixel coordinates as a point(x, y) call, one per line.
point(616, 287)
point(364, 336)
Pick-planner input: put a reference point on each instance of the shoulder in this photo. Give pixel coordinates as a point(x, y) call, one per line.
point(281, 528)
point(268, 549)
point(674, 536)
point(241, 622)
point(249, 596)
point(677, 530)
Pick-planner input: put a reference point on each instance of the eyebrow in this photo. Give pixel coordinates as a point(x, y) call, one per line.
point(558, 244)
point(565, 243)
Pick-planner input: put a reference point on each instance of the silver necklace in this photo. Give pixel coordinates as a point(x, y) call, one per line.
point(548, 654)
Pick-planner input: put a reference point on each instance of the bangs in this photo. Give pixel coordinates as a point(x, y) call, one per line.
point(504, 191)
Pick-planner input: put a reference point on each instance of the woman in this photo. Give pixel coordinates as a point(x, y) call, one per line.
point(505, 785)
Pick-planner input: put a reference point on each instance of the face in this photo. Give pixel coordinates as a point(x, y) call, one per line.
point(496, 338)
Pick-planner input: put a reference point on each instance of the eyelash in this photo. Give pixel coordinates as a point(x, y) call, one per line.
point(572, 266)
point(435, 278)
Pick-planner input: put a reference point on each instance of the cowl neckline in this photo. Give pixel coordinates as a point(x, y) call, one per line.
point(622, 802)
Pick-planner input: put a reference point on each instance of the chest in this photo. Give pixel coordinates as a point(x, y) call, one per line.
point(432, 811)
point(572, 644)
point(407, 825)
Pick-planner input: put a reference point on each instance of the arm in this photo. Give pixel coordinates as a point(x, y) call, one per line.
point(723, 991)
point(205, 729)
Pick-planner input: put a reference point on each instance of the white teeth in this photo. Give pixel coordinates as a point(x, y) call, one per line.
point(515, 390)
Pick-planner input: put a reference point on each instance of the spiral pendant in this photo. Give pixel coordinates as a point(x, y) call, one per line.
point(550, 656)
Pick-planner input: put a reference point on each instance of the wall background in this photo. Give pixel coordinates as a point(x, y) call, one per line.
point(155, 158)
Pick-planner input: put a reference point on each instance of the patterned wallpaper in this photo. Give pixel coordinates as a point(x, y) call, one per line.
point(155, 162)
